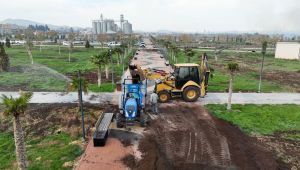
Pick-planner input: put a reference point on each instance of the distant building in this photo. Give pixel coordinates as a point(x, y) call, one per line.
point(127, 28)
point(108, 26)
point(288, 50)
point(5, 29)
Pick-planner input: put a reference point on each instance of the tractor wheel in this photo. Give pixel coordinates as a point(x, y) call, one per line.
point(119, 120)
point(143, 119)
point(164, 96)
point(191, 94)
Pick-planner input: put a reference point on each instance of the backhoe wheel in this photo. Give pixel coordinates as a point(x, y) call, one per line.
point(164, 96)
point(191, 93)
point(119, 120)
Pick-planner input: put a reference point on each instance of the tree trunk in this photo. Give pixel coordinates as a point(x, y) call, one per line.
point(118, 59)
point(99, 77)
point(123, 63)
point(112, 70)
point(30, 55)
point(69, 55)
point(216, 57)
point(106, 72)
point(59, 50)
point(40, 47)
point(230, 92)
point(19, 143)
point(261, 72)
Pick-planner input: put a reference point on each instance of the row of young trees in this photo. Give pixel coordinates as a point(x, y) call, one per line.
point(104, 58)
point(173, 50)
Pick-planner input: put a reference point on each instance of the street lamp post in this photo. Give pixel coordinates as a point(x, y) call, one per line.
point(81, 105)
point(112, 67)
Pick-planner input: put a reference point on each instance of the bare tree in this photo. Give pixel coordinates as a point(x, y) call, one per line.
point(71, 37)
point(232, 68)
point(29, 45)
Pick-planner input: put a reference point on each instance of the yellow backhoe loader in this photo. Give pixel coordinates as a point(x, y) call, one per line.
point(189, 81)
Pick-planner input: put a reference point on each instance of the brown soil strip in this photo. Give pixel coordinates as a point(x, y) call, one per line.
point(186, 136)
point(291, 79)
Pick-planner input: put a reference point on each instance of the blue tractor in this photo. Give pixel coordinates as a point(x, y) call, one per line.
point(132, 102)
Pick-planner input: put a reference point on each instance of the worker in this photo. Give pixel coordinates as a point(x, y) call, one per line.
point(153, 100)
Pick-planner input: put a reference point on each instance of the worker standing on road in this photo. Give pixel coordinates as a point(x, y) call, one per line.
point(153, 100)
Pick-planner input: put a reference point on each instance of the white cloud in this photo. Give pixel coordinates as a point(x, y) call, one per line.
point(178, 15)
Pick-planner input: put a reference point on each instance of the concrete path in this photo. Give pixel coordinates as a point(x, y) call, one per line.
point(252, 98)
point(211, 98)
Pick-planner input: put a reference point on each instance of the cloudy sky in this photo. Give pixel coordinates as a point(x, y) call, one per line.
point(175, 15)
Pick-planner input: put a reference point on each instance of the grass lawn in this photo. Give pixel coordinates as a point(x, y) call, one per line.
point(45, 153)
point(261, 119)
point(247, 79)
point(25, 76)
point(105, 87)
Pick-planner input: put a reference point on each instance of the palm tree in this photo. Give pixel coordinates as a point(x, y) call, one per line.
point(124, 48)
point(100, 60)
point(232, 67)
point(74, 86)
point(28, 45)
point(119, 51)
point(16, 107)
point(175, 51)
point(189, 53)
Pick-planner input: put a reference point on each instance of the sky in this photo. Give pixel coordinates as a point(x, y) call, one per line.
point(173, 15)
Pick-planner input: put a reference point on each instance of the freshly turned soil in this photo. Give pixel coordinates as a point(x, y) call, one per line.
point(186, 136)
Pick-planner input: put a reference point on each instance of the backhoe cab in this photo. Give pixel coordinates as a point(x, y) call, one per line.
point(189, 81)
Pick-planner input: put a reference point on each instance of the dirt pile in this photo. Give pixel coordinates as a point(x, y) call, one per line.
point(285, 148)
point(185, 136)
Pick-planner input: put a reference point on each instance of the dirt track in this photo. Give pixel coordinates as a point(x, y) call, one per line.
point(185, 136)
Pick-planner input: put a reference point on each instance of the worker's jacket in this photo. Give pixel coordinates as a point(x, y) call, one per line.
point(153, 98)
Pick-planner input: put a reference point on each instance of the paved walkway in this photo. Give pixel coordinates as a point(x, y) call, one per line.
point(211, 98)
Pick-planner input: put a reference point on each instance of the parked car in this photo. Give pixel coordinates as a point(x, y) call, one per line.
point(113, 44)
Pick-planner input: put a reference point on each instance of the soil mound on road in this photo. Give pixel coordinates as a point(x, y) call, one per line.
point(186, 136)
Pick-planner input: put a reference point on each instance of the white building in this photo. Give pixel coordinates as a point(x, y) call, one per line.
point(108, 26)
point(288, 50)
point(127, 28)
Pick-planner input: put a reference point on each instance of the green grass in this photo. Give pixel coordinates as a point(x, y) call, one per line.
point(242, 83)
point(105, 87)
point(46, 153)
point(32, 81)
point(260, 119)
point(295, 136)
point(43, 80)
point(7, 147)
point(247, 80)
